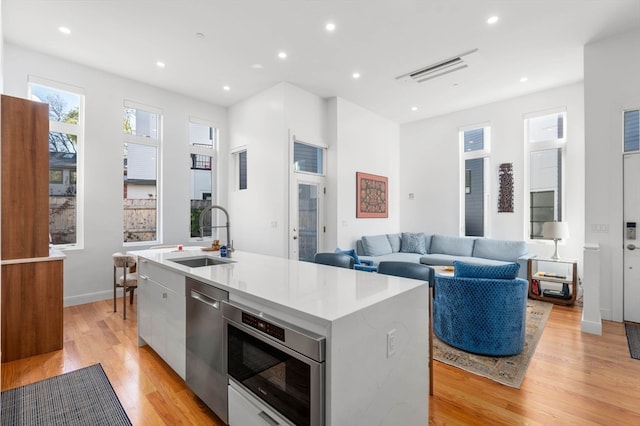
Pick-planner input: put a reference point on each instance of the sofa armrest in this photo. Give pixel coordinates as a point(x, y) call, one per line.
point(523, 262)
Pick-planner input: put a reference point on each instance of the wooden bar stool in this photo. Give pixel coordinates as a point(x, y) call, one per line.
point(128, 281)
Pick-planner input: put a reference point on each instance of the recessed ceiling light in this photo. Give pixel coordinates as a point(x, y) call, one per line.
point(330, 26)
point(160, 64)
point(356, 75)
point(226, 88)
point(492, 20)
point(64, 30)
point(415, 108)
point(524, 79)
point(282, 55)
point(257, 66)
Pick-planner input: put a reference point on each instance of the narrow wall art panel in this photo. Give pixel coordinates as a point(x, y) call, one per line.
point(505, 189)
point(372, 195)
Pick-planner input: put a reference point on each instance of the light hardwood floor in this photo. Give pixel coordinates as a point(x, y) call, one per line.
point(574, 378)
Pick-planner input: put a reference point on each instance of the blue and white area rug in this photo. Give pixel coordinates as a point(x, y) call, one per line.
point(508, 370)
point(79, 398)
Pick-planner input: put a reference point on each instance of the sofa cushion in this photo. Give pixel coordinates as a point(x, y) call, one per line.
point(509, 251)
point(498, 272)
point(455, 246)
point(376, 245)
point(413, 243)
point(395, 241)
point(400, 257)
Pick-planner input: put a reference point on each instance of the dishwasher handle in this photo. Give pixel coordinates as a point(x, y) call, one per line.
point(215, 304)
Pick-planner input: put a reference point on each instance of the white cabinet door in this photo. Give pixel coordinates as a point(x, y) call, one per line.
point(162, 314)
point(157, 296)
point(175, 314)
point(144, 305)
point(245, 410)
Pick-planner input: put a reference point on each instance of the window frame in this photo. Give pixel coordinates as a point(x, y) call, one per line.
point(624, 129)
point(485, 154)
point(128, 138)
point(78, 131)
point(235, 155)
point(208, 151)
point(559, 144)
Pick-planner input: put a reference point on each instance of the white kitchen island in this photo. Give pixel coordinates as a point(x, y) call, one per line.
point(376, 327)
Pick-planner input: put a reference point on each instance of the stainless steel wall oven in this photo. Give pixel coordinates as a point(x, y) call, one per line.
point(280, 364)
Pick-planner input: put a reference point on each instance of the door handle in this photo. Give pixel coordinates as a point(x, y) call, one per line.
point(631, 247)
point(215, 304)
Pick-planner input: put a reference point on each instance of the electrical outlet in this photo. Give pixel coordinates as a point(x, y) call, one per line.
point(391, 343)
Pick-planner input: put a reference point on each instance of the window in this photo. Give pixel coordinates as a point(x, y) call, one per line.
point(545, 139)
point(475, 143)
point(140, 171)
point(66, 142)
point(241, 168)
point(308, 158)
point(632, 130)
point(203, 145)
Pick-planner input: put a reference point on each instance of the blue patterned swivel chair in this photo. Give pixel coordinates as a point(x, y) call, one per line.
point(481, 309)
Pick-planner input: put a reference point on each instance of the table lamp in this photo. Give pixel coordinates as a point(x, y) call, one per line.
point(555, 231)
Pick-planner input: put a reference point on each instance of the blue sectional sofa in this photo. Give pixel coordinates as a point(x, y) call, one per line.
point(439, 249)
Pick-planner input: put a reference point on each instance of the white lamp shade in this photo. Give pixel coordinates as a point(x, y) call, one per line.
point(555, 230)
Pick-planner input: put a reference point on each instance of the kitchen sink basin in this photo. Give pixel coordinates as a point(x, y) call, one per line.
point(197, 262)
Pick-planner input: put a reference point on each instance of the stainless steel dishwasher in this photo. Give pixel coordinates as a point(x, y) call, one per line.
point(205, 370)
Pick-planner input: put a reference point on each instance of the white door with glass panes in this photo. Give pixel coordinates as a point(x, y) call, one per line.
point(306, 200)
point(631, 243)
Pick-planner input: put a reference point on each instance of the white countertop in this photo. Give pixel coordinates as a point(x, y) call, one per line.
point(322, 292)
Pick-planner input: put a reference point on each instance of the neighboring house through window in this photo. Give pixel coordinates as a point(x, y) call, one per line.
point(475, 142)
point(66, 144)
point(141, 148)
point(203, 146)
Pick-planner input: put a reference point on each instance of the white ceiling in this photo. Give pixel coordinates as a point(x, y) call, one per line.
point(381, 39)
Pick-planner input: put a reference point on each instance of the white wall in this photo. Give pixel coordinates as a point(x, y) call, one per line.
point(88, 271)
point(612, 72)
point(361, 141)
point(264, 124)
point(430, 168)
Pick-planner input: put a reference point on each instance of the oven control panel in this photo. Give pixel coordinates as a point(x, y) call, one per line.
point(263, 326)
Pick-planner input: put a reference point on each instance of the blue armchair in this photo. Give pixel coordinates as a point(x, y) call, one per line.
point(481, 309)
point(359, 264)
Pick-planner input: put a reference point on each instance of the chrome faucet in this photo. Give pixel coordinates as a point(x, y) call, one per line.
point(228, 226)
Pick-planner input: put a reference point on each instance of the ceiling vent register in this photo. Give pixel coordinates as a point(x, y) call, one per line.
point(447, 66)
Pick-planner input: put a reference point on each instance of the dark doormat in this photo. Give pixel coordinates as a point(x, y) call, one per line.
point(82, 397)
point(633, 339)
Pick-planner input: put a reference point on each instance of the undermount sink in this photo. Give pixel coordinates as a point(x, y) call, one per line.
point(197, 262)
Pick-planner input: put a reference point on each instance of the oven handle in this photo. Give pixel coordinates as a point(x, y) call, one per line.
point(215, 304)
point(267, 418)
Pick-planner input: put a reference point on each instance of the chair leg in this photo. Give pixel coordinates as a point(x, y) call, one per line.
point(131, 297)
point(114, 289)
point(124, 293)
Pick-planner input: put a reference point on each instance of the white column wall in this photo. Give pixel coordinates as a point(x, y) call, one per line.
point(88, 271)
point(364, 142)
point(612, 72)
point(262, 125)
point(430, 168)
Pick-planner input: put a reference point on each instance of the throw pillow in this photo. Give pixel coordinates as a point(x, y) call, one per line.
point(352, 253)
point(497, 272)
point(413, 243)
point(376, 245)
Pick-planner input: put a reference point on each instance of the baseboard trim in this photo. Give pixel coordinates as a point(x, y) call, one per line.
point(87, 298)
point(591, 327)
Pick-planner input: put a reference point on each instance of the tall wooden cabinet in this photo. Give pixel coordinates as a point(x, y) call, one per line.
point(32, 279)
